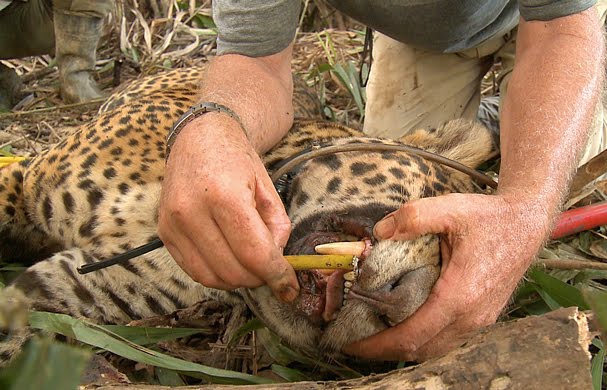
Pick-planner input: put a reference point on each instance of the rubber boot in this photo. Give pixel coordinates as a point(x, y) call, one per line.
point(10, 86)
point(76, 39)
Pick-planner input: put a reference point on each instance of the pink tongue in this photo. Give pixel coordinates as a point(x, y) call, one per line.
point(334, 295)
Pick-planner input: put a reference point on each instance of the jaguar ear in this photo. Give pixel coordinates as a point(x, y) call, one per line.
point(462, 140)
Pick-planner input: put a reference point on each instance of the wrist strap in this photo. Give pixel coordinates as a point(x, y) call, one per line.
point(194, 112)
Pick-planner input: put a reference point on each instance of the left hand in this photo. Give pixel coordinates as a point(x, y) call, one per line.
point(487, 244)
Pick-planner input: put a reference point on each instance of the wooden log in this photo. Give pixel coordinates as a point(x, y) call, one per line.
point(543, 352)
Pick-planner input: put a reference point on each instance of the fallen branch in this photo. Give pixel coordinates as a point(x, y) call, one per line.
point(548, 351)
point(37, 74)
point(571, 264)
point(17, 114)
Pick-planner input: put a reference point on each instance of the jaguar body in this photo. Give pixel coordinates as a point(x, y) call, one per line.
point(95, 195)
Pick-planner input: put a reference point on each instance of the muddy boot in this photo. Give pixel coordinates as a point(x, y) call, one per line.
point(10, 85)
point(76, 39)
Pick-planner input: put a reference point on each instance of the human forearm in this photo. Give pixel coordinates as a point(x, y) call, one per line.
point(259, 90)
point(219, 215)
point(549, 108)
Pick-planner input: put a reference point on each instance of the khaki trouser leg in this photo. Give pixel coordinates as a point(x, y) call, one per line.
point(89, 8)
point(597, 137)
point(410, 88)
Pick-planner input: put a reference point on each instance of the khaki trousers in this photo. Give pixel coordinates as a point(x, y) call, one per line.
point(409, 88)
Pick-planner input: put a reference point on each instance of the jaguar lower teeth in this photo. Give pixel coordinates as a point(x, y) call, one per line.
point(346, 290)
point(348, 284)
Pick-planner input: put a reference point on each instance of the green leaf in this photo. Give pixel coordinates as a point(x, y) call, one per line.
point(525, 290)
point(548, 300)
point(597, 343)
point(598, 302)
point(249, 327)
point(285, 355)
point(7, 150)
point(45, 364)
point(585, 241)
point(327, 45)
point(146, 336)
point(360, 95)
point(588, 275)
point(598, 361)
point(168, 377)
point(205, 21)
point(350, 82)
point(322, 68)
point(98, 336)
point(536, 308)
point(562, 293)
point(289, 374)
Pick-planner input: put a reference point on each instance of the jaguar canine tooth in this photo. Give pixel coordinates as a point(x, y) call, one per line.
point(350, 276)
point(354, 248)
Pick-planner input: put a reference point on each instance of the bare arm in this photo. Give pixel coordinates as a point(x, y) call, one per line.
point(220, 217)
point(488, 241)
point(259, 90)
point(549, 107)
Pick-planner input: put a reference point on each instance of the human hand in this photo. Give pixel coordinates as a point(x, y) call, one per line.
point(487, 244)
point(220, 217)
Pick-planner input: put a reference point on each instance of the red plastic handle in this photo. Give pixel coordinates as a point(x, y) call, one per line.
point(580, 219)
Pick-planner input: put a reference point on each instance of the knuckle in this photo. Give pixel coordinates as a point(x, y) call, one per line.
point(282, 228)
point(251, 282)
point(210, 280)
point(266, 203)
point(217, 192)
point(177, 208)
point(237, 278)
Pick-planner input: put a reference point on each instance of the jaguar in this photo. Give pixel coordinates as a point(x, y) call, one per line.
point(95, 195)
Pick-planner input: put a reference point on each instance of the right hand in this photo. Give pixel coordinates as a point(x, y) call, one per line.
point(220, 216)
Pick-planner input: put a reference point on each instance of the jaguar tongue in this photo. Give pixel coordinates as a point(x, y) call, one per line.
point(321, 294)
point(334, 295)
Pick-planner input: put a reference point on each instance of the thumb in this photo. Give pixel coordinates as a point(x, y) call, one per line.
point(417, 218)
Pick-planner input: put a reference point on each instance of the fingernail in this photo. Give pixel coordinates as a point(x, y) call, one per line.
point(288, 294)
point(385, 228)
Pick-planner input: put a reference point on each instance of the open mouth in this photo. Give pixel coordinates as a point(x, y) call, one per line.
point(322, 292)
